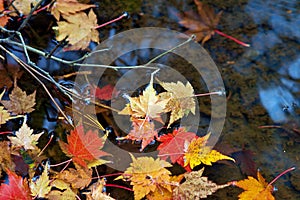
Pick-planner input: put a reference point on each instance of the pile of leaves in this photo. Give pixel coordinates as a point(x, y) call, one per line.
point(29, 172)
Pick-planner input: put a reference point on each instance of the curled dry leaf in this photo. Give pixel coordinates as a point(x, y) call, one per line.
point(197, 153)
point(67, 8)
point(202, 24)
point(85, 32)
point(20, 102)
point(96, 191)
point(25, 138)
point(196, 187)
point(147, 175)
point(181, 99)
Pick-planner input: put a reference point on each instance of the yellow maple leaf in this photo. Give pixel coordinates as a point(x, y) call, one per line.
point(181, 99)
point(41, 187)
point(4, 115)
point(147, 175)
point(64, 192)
point(67, 7)
point(149, 104)
point(197, 153)
point(78, 34)
point(24, 6)
point(255, 189)
point(25, 138)
point(20, 102)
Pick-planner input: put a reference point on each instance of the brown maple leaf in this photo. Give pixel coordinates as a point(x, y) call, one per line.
point(67, 8)
point(201, 24)
point(24, 6)
point(78, 34)
point(196, 186)
point(20, 102)
point(84, 148)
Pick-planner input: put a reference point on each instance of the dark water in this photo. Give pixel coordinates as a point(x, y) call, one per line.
point(262, 82)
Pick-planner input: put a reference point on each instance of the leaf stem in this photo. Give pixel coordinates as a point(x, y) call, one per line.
point(61, 163)
point(108, 175)
point(125, 14)
point(231, 38)
point(281, 174)
point(51, 137)
point(118, 186)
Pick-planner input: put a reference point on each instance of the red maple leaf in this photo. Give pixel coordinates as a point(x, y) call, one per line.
point(173, 144)
point(83, 148)
point(106, 93)
point(17, 188)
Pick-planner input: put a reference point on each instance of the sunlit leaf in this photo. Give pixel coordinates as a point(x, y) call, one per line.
point(24, 6)
point(41, 187)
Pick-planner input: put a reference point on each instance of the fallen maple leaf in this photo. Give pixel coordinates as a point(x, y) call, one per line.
point(85, 32)
point(172, 144)
point(19, 102)
point(146, 105)
point(181, 99)
point(24, 6)
point(41, 187)
point(78, 178)
point(83, 148)
point(3, 18)
point(4, 115)
point(143, 130)
point(96, 191)
point(64, 192)
point(147, 175)
point(203, 24)
point(25, 138)
point(67, 7)
point(105, 93)
point(17, 188)
point(196, 186)
point(5, 157)
point(197, 153)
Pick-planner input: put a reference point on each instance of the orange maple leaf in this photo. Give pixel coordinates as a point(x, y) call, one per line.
point(83, 148)
point(255, 189)
point(3, 18)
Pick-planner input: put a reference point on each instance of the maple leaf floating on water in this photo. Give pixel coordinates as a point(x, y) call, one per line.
point(203, 24)
point(20, 102)
point(147, 175)
point(17, 188)
point(67, 8)
point(196, 187)
point(84, 148)
point(41, 187)
point(181, 99)
point(78, 34)
point(197, 153)
point(25, 138)
point(172, 144)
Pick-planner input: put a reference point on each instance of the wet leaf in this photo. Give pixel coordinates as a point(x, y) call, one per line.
point(202, 24)
point(85, 32)
point(244, 159)
point(147, 175)
point(105, 93)
point(83, 147)
point(4, 115)
point(146, 105)
point(16, 188)
point(172, 144)
point(40, 187)
point(25, 138)
point(20, 102)
point(24, 6)
point(255, 189)
point(3, 18)
point(181, 99)
point(143, 130)
point(78, 178)
point(67, 8)
point(196, 186)
point(198, 153)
